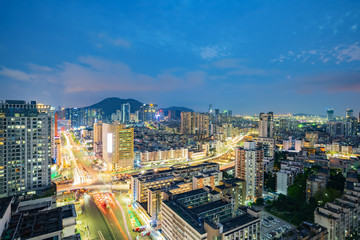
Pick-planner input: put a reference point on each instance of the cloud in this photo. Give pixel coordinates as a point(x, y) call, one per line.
point(338, 54)
point(333, 82)
point(39, 68)
point(348, 53)
point(118, 42)
point(227, 63)
point(212, 52)
point(17, 75)
point(92, 74)
point(235, 68)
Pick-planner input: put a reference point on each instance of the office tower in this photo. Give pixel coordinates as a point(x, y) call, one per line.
point(330, 114)
point(266, 125)
point(125, 113)
point(211, 110)
point(349, 113)
point(25, 148)
point(118, 146)
point(98, 139)
point(230, 113)
point(147, 112)
point(249, 167)
point(217, 112)
point(194, 123)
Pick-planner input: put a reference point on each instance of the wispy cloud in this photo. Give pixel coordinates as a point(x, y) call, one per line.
point(234, 67)
point(17, 74)
point(118, 42)
point(212, 52)
point(92, 74)
point(339, 54)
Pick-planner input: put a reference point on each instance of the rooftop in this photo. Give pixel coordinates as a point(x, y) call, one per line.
point(236, 222)
point(210, 206)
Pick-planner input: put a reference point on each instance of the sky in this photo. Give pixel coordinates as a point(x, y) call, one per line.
point(248, 56)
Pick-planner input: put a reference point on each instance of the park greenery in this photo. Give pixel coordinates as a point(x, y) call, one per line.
point(294, 207)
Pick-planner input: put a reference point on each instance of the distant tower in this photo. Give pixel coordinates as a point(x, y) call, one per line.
point(349, 113)
point(125, 112)
point(211, 110)
point(266, 125)
point(330, 114)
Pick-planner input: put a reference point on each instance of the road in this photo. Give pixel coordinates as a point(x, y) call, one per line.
point(94, 219)
point(111, 221)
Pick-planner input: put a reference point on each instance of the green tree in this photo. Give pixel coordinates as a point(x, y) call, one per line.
point(270, 181)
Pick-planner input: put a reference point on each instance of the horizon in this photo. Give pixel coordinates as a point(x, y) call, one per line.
point(249, 57)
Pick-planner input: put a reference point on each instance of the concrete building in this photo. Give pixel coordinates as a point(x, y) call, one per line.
point(266, 125)
point(285, 177)
point(194, 123)
point(140, 183)
point(233, 190)
point(213, 220)
point(338, 128)
point(249, 167)
point(5, 213)
point(98, 147)
point(118, 146)
point(26, 138)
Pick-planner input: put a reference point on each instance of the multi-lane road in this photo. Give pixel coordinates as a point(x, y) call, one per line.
point(111, 221)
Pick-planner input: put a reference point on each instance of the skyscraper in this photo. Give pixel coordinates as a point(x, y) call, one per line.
point(25, 147)
point(125, 113)
point(118, 146)
point(194, 123)
point(349, 113)
point(330, 114)
point(147, 112)
point(249, 167)
point(266, 125)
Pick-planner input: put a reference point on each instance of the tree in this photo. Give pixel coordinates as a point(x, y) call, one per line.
point(337, 181)
point(270, 181)
point(259, 202)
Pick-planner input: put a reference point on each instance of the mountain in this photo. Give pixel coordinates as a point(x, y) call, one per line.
point(179, 109)
point(110, 105)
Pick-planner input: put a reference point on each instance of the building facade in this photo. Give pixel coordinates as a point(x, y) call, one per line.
point(25, 148)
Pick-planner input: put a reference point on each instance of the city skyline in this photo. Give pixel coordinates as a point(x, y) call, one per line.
point(248, 57)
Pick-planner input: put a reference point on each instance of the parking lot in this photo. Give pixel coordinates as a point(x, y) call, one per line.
point(272, 224)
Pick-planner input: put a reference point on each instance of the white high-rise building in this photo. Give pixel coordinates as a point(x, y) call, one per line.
point(25, 148)
point(249, 166)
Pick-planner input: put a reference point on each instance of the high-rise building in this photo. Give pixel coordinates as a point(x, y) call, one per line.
point(249, 167)
point(211, 110)
point(98, 139)
point(118, 146)
point(125, 113)
point(349, 113)
point(147, 112)
point(337, 128)
point(25, 147)
point(266, 125)
point(194, 123)
point(330, 114)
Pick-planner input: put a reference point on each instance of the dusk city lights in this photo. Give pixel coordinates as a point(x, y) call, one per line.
point(180, 120)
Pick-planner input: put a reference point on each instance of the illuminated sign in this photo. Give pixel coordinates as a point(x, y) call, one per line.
point(109, 142)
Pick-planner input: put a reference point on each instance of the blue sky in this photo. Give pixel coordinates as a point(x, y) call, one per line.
point(248, 56)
